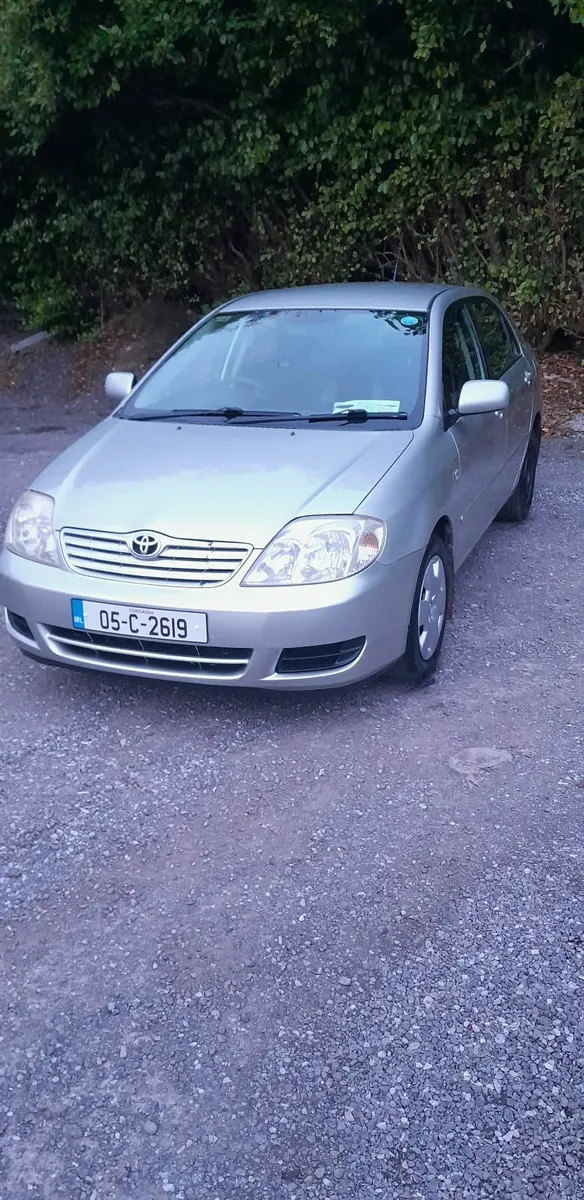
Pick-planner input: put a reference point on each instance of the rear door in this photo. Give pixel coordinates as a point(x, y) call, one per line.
point(481, 440)
point(505, 359)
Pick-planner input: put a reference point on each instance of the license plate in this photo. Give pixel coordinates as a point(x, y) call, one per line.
point(158, 624)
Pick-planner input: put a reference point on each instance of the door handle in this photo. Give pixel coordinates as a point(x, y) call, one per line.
point(528, 377)
point(500, 414)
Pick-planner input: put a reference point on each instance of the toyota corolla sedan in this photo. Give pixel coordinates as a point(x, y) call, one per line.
point(284, 499)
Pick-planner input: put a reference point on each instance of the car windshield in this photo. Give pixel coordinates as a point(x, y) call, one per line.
point(294, 364)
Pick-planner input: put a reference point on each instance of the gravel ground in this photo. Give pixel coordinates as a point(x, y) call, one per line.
point(270, 947)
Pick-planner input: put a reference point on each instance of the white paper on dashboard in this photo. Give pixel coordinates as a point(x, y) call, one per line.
point(380, 406)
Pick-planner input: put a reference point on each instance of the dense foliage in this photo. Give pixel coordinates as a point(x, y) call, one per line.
point(200, 147)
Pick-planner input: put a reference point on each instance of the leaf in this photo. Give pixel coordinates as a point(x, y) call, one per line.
point(474, 760)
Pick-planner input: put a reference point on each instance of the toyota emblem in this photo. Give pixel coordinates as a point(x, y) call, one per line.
point(145, 545)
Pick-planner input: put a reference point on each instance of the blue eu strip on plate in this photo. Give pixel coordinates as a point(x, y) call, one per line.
point(77, 614)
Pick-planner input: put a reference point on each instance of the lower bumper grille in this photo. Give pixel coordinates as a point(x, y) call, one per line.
point(127, 654)
point(306, 660)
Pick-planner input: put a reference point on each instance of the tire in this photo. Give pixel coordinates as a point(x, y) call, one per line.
point(518, 505)
point(425, 637)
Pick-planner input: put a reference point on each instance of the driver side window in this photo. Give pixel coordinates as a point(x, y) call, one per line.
point(460, 356)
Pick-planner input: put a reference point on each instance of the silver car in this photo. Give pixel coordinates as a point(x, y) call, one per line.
point(284, 499)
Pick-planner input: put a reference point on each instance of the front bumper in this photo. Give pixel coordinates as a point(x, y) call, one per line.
point(374, 606)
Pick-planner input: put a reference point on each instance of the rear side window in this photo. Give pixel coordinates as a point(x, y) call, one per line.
point(460, 359)
point(498, 341)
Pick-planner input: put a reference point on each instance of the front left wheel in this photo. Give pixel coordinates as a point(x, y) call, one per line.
point(430, 610)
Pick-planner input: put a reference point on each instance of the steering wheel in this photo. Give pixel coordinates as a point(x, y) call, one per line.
point(252, 384)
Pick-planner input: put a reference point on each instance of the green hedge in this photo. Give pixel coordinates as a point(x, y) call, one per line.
point(203, 147)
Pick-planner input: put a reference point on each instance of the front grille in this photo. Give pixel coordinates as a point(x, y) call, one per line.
point(19, 625)
point(139, 653)
point(306, 660)
point(190, 563)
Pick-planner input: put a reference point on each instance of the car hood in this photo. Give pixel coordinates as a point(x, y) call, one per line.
point(215, 482)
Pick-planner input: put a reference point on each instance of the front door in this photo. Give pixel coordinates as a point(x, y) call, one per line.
point(504, 359)
point(481, 440)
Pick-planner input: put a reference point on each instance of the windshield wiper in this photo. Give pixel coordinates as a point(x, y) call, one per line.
point(230, 414)
point(358, 415)
point(181, 414)
point(354, 416)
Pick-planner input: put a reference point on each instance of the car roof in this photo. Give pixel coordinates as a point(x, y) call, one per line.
point(411, 296)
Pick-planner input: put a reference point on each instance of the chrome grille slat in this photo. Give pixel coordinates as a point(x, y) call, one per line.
point(170, 553)
point(181, 561)
point(178, 563)
point(177, 580)
point(113, 539)
point(141, 573)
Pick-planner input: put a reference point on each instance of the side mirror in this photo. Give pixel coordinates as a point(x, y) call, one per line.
point(118, 385)
point(482, 396)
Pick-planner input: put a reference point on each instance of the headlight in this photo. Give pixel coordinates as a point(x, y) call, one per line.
point(30, 530)
point(318, 550)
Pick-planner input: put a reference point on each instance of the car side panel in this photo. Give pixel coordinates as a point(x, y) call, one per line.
point(417, 493)
point(480, 489)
